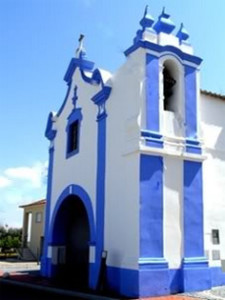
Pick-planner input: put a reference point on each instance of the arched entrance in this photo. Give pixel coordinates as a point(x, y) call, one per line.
point(70, 239)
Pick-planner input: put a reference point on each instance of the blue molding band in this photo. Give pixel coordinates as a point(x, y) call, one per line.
point(193, 146)
point(152, 139)
point(45, 260)
point(152, 93)
point(160, 49)
point(152, 263)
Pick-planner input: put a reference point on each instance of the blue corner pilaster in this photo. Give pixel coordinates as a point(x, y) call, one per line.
point(153, 269)
point(100, 99)
point(152, 93)
point(45, 261)
point(192, 144)
point(196, 274)
point(100, 191)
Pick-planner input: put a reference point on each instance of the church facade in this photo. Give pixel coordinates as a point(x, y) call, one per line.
point(136, 171)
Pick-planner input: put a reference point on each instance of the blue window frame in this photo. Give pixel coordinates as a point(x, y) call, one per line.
point(73, 132)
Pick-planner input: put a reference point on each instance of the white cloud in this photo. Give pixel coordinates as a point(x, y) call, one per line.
point(4, 182)
point(33, 175)
point(20, 185)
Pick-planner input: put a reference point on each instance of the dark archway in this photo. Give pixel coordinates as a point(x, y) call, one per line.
point(71, 236)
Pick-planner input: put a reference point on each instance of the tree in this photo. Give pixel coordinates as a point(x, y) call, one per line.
point(10, 239)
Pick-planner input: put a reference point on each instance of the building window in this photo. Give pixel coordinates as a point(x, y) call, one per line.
point(73, 137)
point(215, 237)
point(73, 132)
point(38, 217)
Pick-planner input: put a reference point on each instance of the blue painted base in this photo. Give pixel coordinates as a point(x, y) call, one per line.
point(147, 282)
point(45, 267)
point(175, 281)
point(125, 282)
point(153, 282)
point(217, 276)
point(196, 279)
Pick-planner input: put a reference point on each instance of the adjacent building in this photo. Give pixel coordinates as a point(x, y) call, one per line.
point(33, 228)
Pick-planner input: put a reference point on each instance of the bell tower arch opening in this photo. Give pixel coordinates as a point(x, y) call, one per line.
point(170, 85)
point(172, 93)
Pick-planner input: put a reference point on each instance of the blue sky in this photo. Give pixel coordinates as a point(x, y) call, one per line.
point(37, 40)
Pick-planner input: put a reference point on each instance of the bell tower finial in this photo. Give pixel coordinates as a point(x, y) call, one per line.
point(80, 52)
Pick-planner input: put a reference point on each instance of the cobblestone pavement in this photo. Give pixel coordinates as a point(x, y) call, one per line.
point(216, 293)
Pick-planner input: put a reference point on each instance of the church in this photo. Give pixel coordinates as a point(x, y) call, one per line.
point(137, 171)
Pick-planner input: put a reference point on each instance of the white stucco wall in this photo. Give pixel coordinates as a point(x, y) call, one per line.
point(79, 169)
point(213, 133)
point(173, 212)
point(122, 164)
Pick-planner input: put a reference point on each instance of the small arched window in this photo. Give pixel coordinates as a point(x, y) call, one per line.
point(169, 86)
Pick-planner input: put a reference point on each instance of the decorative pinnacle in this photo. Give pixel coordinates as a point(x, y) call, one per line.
point(80, 52)
point(164, 23)
point(182, 34)
point(147, 19)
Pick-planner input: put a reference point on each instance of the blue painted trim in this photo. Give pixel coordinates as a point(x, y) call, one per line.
point(190, 103)
point(152, 263)
point(193, 210)
point(191, 262)
point(100, 191)
point(50, 133)
point(75, 115)
point(193, 146)
point(100, 100)
point(78, 191)
point(152, 93)
point(45, 260)
point(65, 99)
point(153, 139)
point(160, 49)
point(83, 64)
point(151, 207)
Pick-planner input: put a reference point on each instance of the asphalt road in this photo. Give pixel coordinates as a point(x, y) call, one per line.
point(9, 292)
point(13, 291)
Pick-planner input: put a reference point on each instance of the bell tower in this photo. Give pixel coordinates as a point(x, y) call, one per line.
point(170, 137)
